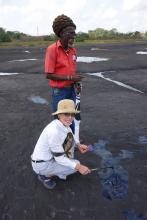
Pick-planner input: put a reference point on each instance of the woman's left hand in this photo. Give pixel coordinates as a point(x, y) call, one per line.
point(83, 148)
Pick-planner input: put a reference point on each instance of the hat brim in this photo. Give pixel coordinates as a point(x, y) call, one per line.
point(65, 111)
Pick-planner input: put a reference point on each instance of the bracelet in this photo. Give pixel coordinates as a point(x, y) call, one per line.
point(68, 77)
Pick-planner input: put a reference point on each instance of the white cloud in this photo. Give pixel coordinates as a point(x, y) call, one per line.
point(27, 15)
point(135, 5)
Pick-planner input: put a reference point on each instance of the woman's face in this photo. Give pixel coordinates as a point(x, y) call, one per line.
point(66, 118)
point(67, 36)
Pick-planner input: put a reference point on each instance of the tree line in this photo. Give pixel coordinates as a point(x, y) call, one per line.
point(97, 34)
point(8, 36)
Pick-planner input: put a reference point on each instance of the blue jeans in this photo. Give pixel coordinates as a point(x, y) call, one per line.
point(59, 94)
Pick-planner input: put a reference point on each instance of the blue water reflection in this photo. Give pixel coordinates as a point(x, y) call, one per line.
point(131, 215)
point(114, 180)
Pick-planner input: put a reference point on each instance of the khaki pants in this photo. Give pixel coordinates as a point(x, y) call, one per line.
point(52, 168)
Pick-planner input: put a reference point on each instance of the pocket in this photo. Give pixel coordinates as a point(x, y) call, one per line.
point(56, 91)
point(39, 167)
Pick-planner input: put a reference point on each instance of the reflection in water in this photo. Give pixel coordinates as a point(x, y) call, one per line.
point(142, 140)
point(114, 180)
point(131, 215)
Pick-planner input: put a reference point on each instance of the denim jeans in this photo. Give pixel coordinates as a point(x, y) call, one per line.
point(59, 94)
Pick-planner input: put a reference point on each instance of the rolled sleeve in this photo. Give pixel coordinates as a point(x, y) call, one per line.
point(57, 148)
point(64, 161)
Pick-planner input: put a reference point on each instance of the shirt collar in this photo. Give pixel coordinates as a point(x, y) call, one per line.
point(60, 45)
point(65, 129)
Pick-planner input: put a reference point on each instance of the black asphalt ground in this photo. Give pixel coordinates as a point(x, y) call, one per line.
point(114, 120)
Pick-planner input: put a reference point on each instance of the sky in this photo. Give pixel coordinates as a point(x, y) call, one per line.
point(35, 17)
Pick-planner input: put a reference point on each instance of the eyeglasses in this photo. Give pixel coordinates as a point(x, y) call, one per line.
point(69, 114)
point(70, 33)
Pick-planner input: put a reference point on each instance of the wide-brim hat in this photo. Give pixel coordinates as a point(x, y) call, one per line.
point(66, 106)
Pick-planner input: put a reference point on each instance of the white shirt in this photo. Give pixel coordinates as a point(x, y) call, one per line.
point(51, 140)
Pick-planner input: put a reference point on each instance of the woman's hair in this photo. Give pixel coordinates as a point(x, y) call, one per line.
point(61, 22)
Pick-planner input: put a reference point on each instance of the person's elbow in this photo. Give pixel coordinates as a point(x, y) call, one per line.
point(48, 75)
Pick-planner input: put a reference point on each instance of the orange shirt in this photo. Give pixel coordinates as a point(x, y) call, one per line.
point(60, 62)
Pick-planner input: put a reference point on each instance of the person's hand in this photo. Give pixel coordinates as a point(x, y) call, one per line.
point(82, 169)
point(83, 148)
point(77, 77)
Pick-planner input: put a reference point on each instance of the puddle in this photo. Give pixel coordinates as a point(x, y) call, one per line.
point(98, 48)
point(126, 154)
point(114, 182)
point(27, 51)
point(131, 215)
point(38, 100)
point(141, 52)
point(8, 74)
point(91, 59)
point(142, 140)
point(22, 60)
point(114, 179)
point(100, 74)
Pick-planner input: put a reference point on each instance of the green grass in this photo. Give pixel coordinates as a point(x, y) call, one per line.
point(35, 43)
point(42, 43)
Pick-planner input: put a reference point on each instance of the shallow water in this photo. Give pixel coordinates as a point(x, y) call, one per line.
point(114, 180)
point(131, 215)
point(142, 140)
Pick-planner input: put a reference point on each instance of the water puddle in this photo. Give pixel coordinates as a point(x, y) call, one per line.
point(114, 179)
point(22, 60)
point(100, 75)
point(114, 182)
point(8, 74)
point(91, 59)
point(38, 100)
point(27, 51)
point(131, 215)
point(142, 140)
point(141, 52)
point(125, 154)
point(96, 48)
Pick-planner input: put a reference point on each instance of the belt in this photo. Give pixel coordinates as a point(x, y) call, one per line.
point(38, 161)
point(69, 86)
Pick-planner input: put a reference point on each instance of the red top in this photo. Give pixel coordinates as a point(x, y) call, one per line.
point(60, 62)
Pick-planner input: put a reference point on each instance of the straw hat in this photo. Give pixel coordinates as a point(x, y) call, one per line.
point(66, 106)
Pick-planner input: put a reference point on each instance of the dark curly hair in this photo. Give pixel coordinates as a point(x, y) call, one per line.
point(61, 22)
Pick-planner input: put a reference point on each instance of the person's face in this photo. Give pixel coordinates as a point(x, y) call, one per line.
point(66, 118)
point(67, 36)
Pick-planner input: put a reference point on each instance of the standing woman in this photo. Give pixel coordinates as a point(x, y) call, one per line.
point(60, 62)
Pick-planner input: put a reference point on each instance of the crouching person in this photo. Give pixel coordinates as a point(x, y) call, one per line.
point(54, 152)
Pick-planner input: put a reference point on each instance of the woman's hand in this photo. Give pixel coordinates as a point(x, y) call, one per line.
point(82, 169)
point(82, 148)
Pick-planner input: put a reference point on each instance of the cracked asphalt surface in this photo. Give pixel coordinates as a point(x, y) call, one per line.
point(110, 113)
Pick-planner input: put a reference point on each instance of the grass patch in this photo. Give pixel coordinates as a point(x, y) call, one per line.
point(43, 43)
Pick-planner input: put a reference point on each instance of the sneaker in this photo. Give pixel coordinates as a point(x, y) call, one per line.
point(47, 182)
